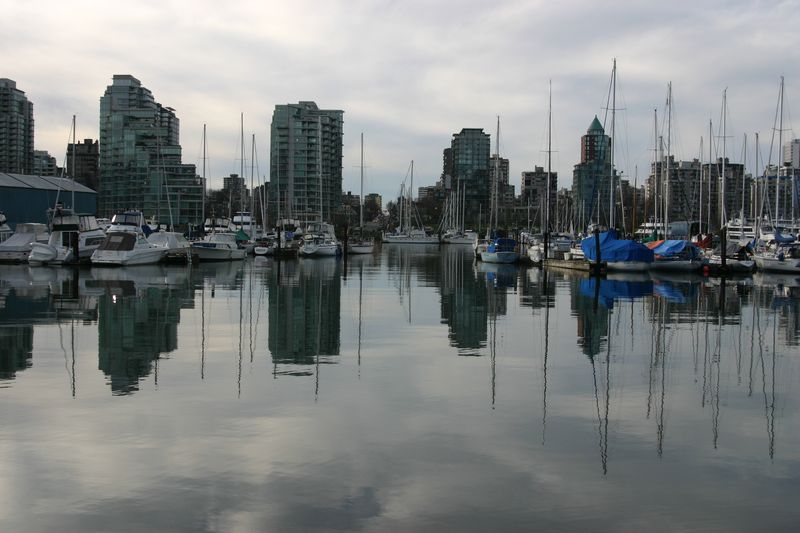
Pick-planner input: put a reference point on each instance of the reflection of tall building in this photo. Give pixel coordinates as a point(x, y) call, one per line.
point(592, 320)
point(304, 311)
point(464, 302)
point(16, 346)
point(135, 327)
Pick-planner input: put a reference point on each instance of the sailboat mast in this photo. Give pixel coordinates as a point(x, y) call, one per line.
point(710, 147)
point(667, 161)
point(241, 172)
point(361, 203)
point(319, 164)
point(744, 173)
point(612, 177)
point(700, 189)
point(549, 152)
point(656, 174)
point(74, 210)
point(252, 190)
point(203, 209)
point(722, 214)
point(780, 159)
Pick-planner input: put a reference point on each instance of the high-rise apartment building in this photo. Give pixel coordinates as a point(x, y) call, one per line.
point(591, 178)
point(140, 157)
point(16, 129)
point(45, 164)
point(534, 191)
point(791, 153)
point(305, 161)
point(87, 162)
point(470, 154)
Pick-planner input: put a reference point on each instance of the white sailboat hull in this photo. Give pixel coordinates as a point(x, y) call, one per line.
point(318, 250)
point(410, 239)
point(628, 266)
point(499, 257)
point(775, 264)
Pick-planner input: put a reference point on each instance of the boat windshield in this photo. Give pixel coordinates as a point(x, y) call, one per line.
point(127, 219)
point(119, 241)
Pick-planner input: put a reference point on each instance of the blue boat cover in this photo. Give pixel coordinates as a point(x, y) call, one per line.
point(614, 250)
point(782, 239)
point(613, 289)
point(672, 247)
point(502, 245)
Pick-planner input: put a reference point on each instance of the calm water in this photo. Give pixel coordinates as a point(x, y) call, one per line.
point(410, 391)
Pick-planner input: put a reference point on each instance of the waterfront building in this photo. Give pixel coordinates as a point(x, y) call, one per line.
point(140, 157)
point(470, 156)
point(26, 198)
point(45, 164)
point(591, 178)
point(87, 162)
point(16, 129)
point(791, 153)
point(305, 161)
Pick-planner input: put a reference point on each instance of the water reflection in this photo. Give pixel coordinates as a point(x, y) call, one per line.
point(304, 314)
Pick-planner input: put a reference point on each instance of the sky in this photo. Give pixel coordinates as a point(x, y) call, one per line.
point(409, 74)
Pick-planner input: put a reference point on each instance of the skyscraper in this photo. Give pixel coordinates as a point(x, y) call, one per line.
point(16, 129)
point(591, 177)
point(140, 157)
point(305, 161)
point(87, 156)
point(470, 168)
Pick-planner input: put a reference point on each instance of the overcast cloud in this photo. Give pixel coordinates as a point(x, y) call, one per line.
point(411, 73)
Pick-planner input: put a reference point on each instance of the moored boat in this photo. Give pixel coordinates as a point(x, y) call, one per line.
point(125, 243)
point(17, 248)
point(68, 232)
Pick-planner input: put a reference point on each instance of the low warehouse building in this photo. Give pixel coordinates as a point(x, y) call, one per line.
point(25, 198)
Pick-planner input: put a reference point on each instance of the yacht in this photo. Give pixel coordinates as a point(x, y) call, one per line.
point(779, 257)
point(68, 229)
point(319, 241)
point(459, 237)
point(126, 244)
point(177, 248)
point(218, 246)
point(17, 248)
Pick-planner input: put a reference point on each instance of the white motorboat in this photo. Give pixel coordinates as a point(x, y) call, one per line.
point(125, 243)
point(17, 248)
point(68, 230)
point(218, 247)
point(177, 248)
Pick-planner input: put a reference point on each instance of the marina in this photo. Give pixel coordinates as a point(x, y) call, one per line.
point(401, 390)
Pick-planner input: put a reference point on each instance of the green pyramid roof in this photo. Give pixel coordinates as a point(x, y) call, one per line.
point(596, 126)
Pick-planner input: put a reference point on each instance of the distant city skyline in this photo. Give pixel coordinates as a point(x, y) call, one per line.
point(410, 75)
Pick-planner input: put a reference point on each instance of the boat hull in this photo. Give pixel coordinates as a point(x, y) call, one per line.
point(392, 239)
point(499, 257)
point(322, 250)
point(681, 265)
point(774, 264)
point(360, 248)
point(127, 258)
point(628, 266)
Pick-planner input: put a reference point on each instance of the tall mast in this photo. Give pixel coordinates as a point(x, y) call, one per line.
point(319, 164)
point(667, 162)
point(754, 204)
point(74, 210)
point(780, 157)
point(203, 210)
point(710, 147)
point(744, 173)
point(361, 203)
point(549, 152)
point(722, 214)
point(700, 189)
point(656, 174)
point(252, 190)
point(613, 118)
point(241, 171)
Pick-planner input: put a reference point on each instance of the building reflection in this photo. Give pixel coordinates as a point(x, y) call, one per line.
point(138, 317)
point(304, 311)
point(464, 300)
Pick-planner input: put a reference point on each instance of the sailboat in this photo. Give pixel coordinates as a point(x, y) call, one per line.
point(537, 251)
point(498, 249)
point(780, 253)
point(358, 244)
point(618, 254)
point(409, 230)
